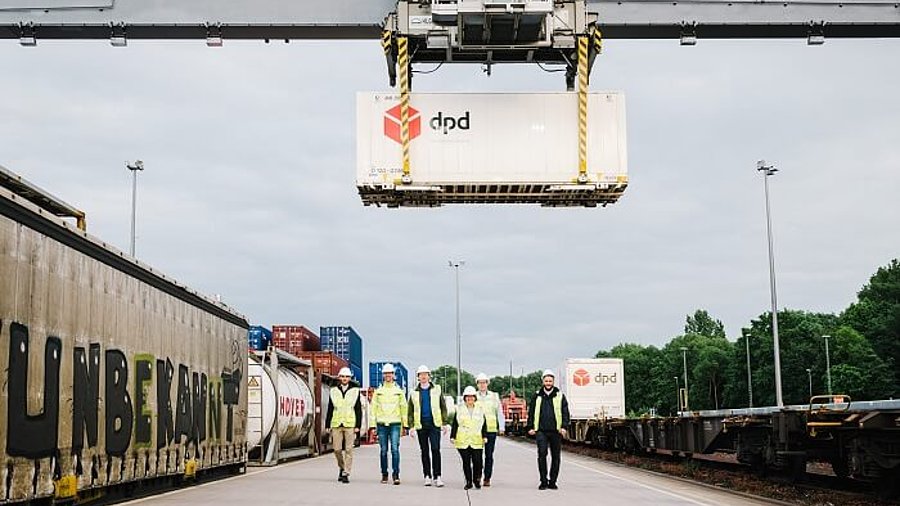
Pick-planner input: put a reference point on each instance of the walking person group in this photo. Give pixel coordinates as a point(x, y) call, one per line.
point(473, 429)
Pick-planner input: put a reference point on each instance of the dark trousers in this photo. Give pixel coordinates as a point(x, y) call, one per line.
point(472, 463)
point(430, 445)
point(489, 455)
point(553, 441)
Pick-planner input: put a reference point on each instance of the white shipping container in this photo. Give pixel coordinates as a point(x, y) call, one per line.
point(595, 387)
point(491, 148)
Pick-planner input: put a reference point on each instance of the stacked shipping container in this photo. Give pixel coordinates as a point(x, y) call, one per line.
point(295, 339)
point(346, 343)
point(259, 338)
point(324, 362)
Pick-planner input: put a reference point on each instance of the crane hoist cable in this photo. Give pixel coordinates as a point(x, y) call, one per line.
point(403, 60)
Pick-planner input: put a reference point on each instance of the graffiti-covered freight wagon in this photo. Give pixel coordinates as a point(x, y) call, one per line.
point(110, 373)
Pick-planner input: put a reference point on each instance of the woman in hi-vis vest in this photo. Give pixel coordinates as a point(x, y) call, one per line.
point(469, 433)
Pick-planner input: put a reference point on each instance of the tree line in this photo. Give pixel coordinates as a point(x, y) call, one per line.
point(863, 342)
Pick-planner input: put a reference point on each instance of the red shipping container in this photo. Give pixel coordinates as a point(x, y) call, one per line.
point(324, 362)
point(295, 338)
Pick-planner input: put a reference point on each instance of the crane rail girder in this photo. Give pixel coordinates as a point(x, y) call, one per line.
point(32, 20)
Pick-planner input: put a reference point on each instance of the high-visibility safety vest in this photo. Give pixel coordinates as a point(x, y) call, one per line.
point(343, 414)
point(557, 410)
point(469, 424)
point(490, 402)
point(436, 397)
point(388, 405)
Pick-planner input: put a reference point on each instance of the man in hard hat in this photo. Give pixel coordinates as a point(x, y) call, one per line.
point(469, 433)
point(343, 420)
point(427, 415)
point(548, 415)
point(389, 416)
point(494, 421)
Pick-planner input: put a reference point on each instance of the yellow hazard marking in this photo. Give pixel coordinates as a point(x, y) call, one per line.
point(582, 103)
point(66, 487)
point(403, 57)
point(254, 382)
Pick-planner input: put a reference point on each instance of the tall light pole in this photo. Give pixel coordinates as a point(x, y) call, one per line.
point(809, 373)
point(828, 364)
point(134, 168)
point(768, 171)
point(686, 396)
point(677, 396)
point(455, 264)
point(749, 373)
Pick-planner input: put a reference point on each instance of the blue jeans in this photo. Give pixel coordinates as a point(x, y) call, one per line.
point(385, 433)
point(489, 455)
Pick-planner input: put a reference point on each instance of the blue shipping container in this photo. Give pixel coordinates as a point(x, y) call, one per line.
point(259, 338)
point(357, 373)
point(343, 342)
point(401, 376)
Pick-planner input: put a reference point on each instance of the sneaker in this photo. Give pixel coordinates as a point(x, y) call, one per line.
point(341, 475)
point(346, 478)
point(552, 486)
point(478, 484)
point(438, 482)
point(427, 481)
point(487, 482)
point(542, 486)
point(384, 479)
point(468, 485)
point(396, 480)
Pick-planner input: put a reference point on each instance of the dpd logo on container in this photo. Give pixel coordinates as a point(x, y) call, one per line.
point(392, 124)
point(445, 123)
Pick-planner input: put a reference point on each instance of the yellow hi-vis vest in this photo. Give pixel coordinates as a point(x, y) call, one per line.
point(388, 406)
point(435, 394)
point(468, 432)
point(557, 410)
point(343, 414)
point(490, 403)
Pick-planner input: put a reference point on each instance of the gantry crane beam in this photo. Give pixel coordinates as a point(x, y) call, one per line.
point(32, 20)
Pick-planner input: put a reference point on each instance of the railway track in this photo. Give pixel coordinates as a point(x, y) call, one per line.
point(722, 471)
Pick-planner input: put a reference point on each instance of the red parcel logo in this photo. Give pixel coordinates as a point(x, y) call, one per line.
point(581, 377)
point(392, 123)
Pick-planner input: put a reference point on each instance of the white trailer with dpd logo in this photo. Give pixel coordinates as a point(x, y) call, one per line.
point(595, 387)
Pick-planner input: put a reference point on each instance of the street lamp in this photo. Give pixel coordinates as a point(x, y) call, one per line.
point(134, 168)
point(749, 373)
point(828, 364)
point(677, 396)
point(456, 265)
point(686, 397)
point(768, 171)
point(809, 373)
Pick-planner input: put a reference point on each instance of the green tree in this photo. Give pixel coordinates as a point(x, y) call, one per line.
point(644, 387)
point(701, 323)
point(445, 376)
point(856, 369)
point(708, 361)
point(876, 315)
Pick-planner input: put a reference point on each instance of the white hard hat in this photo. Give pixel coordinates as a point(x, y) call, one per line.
point(548, 372)
point(387, 368)
point(345, 371)
point(470, 390)
point(423, 368)
point(482, 377)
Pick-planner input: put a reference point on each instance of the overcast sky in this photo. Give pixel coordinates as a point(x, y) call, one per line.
point(249, 189)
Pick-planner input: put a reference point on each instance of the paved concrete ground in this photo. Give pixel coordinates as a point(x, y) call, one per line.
point(582, 481)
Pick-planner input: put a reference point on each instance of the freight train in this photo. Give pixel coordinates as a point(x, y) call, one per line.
point(860, 440)
point(114, 375)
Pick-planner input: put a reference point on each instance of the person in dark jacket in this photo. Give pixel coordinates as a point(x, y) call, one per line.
point(548, 415)
point(343, 420)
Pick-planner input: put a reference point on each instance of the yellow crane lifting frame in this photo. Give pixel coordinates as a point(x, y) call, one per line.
point(584, 43)
point(403, 61)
